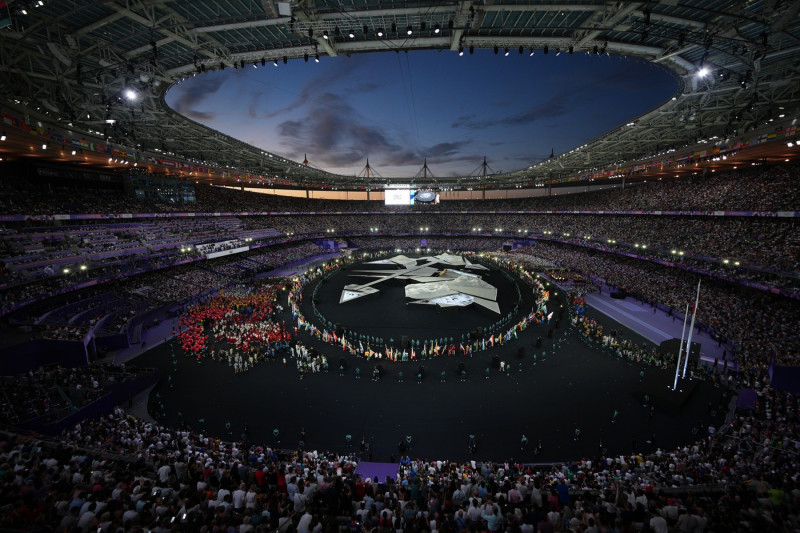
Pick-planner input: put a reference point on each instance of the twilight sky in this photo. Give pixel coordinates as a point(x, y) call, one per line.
point(397, 109)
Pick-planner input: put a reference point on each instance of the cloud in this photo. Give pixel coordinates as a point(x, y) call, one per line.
point(366, 87)
point(462, 121)
point(199, 116)
point(554, 107)
point(252, 109)
point(335, 136)
point(195, 93)
point(327, 78)
point(444, 149)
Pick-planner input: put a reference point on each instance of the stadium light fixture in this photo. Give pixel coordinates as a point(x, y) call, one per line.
point(316, 58)
point(460, 53)
point(702, 73)
point(506, 53)
point(130, 94)
point(352, 34)
point(380, 32)
point(3, 137)
point(437, 29)
point(325, 35)
point(409, 30)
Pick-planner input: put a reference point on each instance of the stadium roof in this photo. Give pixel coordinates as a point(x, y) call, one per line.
point(71, 63)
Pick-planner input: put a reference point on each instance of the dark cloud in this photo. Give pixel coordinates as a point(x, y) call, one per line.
point(444, 149)
point(334, 135)
point(199, 116)
point(311, 93)
point(462, 121)
point(195, 93)
point(252, 109)
point(366, 87)
point(555, 107)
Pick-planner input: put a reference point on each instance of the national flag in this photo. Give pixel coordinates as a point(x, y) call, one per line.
point(5, 15)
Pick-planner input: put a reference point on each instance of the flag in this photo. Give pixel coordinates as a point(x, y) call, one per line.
point(5, 15)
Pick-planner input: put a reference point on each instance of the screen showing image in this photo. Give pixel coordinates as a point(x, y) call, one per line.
point(426, 196)
point(398, 196)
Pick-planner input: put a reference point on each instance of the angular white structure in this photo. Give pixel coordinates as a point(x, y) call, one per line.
point(432, 285)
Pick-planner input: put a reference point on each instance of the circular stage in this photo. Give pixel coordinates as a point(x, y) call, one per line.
point(389, 315)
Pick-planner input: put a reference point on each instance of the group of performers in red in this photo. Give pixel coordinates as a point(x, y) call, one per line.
point(242, 319)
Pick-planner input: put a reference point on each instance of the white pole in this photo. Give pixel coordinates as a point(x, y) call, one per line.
point(680, 349)
point(691, 328)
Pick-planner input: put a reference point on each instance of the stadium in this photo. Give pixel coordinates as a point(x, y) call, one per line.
point(199, 334)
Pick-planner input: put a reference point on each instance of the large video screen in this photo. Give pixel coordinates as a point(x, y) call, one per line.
point(398, 195)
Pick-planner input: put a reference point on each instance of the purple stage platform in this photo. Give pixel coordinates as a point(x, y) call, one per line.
point(656, 327)
point(377, 472)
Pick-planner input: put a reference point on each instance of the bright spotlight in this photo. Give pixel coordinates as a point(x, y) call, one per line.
point(130, 94)
point(702, 73)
